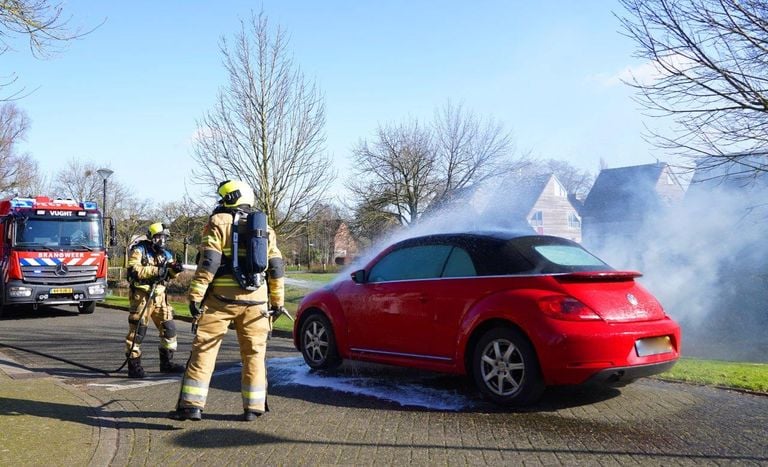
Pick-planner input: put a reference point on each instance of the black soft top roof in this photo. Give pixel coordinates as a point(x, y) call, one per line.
point(503, 252)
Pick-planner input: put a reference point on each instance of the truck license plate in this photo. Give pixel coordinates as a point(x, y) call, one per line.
point(61, 291)
point(653, 346)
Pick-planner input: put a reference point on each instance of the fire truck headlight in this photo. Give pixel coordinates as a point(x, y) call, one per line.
point(19, 291)
point(97, 289)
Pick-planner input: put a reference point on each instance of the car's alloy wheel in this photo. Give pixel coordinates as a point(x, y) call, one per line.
point(506, 369)
point(318, 345)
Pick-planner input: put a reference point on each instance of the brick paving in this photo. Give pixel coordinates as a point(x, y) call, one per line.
point(646, 423)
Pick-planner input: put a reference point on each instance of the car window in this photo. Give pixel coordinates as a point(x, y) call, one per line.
point(567, 255)
point(500, 258)
point(459, 264)
point(418, 262)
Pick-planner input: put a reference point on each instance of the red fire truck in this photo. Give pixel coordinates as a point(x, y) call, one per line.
point(52, 252)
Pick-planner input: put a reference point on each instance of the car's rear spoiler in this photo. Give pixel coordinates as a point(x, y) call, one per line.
point(598, 276)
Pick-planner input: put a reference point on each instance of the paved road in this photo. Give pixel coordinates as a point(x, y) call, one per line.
point(648, 422)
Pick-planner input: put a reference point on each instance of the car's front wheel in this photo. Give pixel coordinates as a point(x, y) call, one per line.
point(318, 343)
point(505, 368)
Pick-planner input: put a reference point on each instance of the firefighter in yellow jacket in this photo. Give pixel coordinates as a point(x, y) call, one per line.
point(150, 265)
point(218, 296)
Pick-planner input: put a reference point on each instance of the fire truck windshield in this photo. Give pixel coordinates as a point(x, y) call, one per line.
point(65, 234)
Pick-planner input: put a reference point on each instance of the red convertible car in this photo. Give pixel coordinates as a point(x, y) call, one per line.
point(515, 312)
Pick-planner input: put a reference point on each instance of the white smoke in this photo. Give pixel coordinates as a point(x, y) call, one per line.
point(486, 207)
point(706, 260)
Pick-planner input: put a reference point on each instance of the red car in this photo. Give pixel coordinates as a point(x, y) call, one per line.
point(515, 312)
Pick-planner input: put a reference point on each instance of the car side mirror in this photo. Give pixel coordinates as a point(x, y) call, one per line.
point(358, 277)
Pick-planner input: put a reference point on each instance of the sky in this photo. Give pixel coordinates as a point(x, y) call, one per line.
point(128, 95)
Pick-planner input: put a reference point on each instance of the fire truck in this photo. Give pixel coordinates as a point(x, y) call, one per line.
point(52, 252)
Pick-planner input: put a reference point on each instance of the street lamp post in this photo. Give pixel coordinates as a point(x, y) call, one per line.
point(104, 174)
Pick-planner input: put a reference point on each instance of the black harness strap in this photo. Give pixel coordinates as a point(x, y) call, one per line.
point(237, 302)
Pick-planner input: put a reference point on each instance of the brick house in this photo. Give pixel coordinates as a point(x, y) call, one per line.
point(344, 246)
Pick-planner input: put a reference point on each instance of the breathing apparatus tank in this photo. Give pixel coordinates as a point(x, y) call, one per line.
point(249, 231)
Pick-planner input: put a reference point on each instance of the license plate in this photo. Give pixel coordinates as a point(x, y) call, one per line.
point(653, 346)
point(61, 291)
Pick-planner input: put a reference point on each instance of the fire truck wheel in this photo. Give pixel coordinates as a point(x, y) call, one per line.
point(86, 308)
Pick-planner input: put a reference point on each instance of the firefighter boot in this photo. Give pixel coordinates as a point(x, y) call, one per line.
point(166, 362)
point(135, 370)
point(186, 413)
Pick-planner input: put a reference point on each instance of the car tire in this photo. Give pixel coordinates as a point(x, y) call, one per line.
point(86, 308)
point(318, 343)
point(505, 368)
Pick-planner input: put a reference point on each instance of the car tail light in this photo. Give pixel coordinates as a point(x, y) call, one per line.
point(14, 269)
point(566, 308)
point(102, 273)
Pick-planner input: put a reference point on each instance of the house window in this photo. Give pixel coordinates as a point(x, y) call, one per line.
point(537, 219)
point(573, 221)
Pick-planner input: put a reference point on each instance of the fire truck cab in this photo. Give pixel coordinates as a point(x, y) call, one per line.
point(52, 252)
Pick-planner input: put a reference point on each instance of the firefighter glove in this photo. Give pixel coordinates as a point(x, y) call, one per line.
point(177, 267)
point(162, 271)
point(276, 311)
point(195, 309)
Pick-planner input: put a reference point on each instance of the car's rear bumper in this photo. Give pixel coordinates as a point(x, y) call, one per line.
point(624, 375)
point(577, 352)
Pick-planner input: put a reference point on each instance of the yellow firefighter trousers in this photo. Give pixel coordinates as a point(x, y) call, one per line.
point(159, 311)
point(252, 328)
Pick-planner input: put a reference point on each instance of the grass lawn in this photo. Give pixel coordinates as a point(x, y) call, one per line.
point(749, 376)
point(312, 277)
point(746, 376)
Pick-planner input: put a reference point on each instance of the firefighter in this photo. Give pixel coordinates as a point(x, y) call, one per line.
point(150, 265)
point(217, 297)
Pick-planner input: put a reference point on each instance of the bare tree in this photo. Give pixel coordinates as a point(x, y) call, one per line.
point(41, 21)
point(132, 216)
point(397, 170)
point(79, 181)
point(17, 171)
point(408, 167)
point(186, 219)
point(371, 219)
point(469, 149)
point(711, 76)
point(266, 128)
point(321, 232)
point(42, 24)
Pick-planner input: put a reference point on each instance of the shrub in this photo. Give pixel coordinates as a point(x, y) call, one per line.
point(180, 283)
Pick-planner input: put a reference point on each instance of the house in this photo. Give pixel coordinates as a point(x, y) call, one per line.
point(344, 246)
point(546, 206)
point(623, 198)
point(537, 204)
point(741, 173)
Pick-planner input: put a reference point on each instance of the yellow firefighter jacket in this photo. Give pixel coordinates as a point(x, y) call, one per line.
point(215, 249)
point(144, 267)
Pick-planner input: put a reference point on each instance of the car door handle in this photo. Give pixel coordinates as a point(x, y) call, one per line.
point(423, 299)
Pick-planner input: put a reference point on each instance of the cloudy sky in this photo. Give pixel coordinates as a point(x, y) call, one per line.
point(128, 95)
